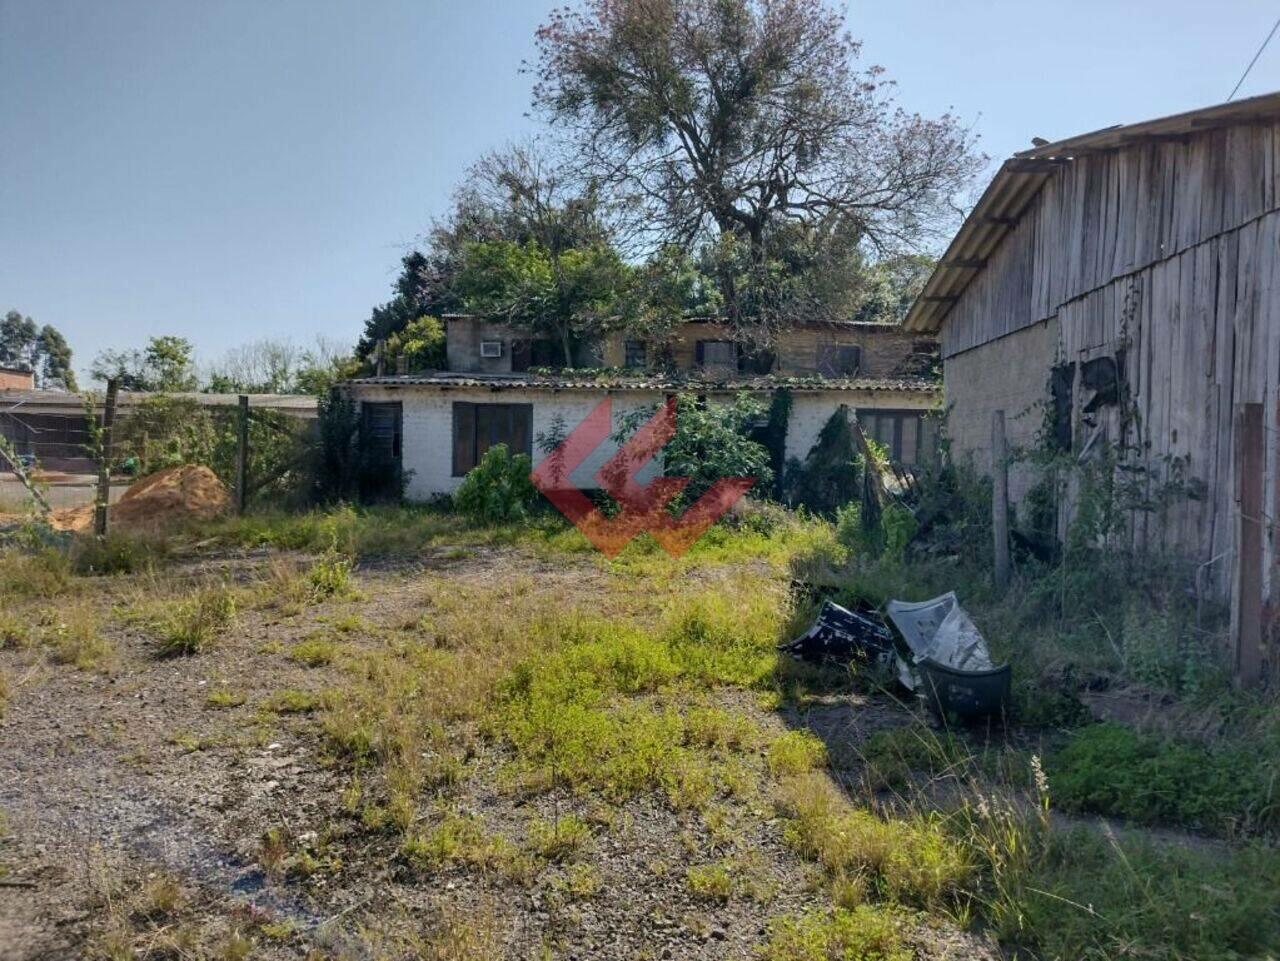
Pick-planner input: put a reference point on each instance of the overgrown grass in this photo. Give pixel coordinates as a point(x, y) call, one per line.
point(773, 535)
point(865, 933)
point(617, 688)
point(71, 632)
point(1228, 789)
point(192, 623)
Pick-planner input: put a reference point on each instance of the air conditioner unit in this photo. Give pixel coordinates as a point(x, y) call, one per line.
point(490, 348)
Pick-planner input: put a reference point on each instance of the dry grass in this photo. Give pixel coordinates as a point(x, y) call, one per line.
point(71, 634)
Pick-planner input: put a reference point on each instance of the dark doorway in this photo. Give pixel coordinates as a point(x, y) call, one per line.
point(381, 442)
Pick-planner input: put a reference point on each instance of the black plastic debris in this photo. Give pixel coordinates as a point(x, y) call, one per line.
point(841, 636)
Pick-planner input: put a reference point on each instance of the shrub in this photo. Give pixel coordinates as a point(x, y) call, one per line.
point(114, 554)
point(330, 575)
point(498, 489)
point(711, 442)
point(1111, 769)
point(560, 838)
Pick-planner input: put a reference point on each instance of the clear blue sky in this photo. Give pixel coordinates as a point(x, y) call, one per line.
point(234, 169)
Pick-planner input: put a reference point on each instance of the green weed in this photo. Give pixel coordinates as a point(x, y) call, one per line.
point(865, 933)
point(1111, 769)
point(192, 624)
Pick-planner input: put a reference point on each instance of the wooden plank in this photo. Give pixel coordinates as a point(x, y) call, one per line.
point(242, 455)
point(103, 498)
point(1246, 634)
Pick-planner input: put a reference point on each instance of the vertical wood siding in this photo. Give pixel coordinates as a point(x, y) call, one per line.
point(1169, 252)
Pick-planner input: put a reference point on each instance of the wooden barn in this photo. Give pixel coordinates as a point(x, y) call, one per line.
point(1119, 292)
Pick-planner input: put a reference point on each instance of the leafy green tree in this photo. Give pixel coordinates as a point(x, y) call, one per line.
point(890, 287)
point(53, 354)
point(563, 294)
point(742, 119)
point(42, 350)
point(170, 361)
point(421, 344)
point(424, 287)
point(165, 365)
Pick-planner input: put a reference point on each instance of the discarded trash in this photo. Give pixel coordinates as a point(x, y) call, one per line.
point(950, 662)
point(841, 635)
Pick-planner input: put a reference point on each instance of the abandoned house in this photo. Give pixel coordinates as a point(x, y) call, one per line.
point(1120, 291)
point(500, 389)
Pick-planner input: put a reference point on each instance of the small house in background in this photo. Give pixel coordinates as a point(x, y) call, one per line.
point(1120, 291)
point(504, 386)
point(17, 378)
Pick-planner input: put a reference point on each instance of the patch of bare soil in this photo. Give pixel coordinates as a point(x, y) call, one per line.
point(109, 781)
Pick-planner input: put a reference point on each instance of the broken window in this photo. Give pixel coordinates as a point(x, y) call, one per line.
point(634, 354)
point(1104, 377)
point(839, 360)
point(903, 432)
point(477, 427)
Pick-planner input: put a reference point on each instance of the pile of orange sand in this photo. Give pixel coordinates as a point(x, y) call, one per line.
point(173, 495)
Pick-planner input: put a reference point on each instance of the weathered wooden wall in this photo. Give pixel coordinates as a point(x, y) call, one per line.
point(1166, 255)
point(1106, 215)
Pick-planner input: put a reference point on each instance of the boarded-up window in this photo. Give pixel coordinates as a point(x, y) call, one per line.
point(477, 427)
point(717, 355)
point(381, 427)
point(839, 360)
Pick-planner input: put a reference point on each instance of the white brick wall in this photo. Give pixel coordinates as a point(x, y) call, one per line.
point(428, 422)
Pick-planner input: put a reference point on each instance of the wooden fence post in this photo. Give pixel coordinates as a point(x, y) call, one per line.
point(242, 456)
point(1000, 499)
point(104, 464)
point(1246, 619)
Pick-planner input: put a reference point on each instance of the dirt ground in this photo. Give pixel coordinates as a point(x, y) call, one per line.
point(113, 780)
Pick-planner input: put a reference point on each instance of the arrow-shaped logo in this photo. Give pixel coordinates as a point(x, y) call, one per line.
point(642, 508)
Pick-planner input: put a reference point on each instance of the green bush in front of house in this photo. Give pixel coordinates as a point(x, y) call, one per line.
point(498, 489)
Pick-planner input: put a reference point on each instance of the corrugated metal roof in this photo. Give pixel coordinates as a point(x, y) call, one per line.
point(1020, 178)
point(656, 383)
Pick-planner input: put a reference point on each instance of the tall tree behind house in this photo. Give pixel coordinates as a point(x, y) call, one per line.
point(746, 130)
point(41, 350)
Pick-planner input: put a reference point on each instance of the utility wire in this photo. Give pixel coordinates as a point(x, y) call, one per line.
point(1236, 88)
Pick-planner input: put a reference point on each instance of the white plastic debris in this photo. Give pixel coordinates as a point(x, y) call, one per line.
point(941, 631)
